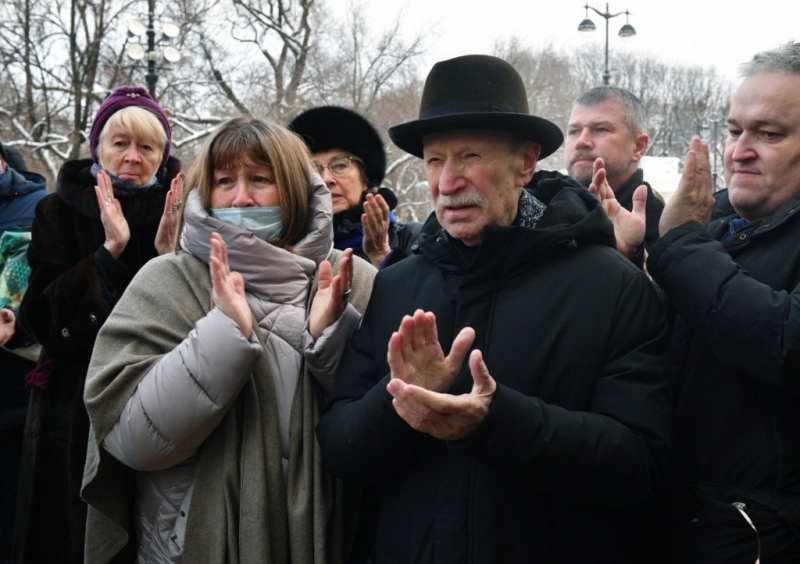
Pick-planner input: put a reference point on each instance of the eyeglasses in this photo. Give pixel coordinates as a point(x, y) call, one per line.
point(339, 166)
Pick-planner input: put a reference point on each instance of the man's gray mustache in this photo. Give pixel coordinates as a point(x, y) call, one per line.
point(473, 199)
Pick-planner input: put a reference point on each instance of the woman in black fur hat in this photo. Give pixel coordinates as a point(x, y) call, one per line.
point(348, 153)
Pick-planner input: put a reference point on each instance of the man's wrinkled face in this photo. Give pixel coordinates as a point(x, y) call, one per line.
point(600, 131)
point(476, 179)
point(762, 152)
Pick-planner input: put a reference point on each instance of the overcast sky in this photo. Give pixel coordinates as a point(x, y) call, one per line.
point(703, 32)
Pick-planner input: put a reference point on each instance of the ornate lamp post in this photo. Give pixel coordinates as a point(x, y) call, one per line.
point(587, 27)
point(136, 52)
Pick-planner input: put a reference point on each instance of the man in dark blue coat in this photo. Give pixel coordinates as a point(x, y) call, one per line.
point(735, 284)
point(544, 425)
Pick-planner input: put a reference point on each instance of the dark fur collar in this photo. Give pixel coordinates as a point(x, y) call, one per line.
point(75, 187)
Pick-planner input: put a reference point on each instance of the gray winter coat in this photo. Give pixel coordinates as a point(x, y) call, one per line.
point(186, 394)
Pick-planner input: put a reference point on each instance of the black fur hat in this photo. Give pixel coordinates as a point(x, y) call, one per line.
point(333, 127)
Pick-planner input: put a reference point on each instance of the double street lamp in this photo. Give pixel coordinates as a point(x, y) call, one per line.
point(137, 52)
point(587, 27)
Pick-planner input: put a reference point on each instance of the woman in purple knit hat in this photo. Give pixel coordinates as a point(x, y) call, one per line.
point(109, 215)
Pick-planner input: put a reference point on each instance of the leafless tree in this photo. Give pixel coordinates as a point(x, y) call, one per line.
point(53, 53)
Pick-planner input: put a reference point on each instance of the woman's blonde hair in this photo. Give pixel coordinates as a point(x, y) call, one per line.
point(265, 144)
point(142, 124)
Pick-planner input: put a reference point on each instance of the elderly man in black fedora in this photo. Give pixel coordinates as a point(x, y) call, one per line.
point(504, 394)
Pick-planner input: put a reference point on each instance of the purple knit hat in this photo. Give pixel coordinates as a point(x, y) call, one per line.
point(123, 97)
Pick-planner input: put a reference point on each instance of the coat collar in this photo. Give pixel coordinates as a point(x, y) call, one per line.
point(724, 212)
point(573, 218)
point(625, 192)
point(75, 187)
point(14, 183)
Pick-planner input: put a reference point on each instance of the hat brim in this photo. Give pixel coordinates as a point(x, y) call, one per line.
point(332, 127)
point(408, 136)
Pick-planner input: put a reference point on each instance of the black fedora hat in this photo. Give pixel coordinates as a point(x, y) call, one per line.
point(333, 127)
point(475, 92)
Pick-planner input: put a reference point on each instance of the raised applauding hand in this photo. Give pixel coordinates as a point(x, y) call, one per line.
point(629, 226)
point(421, 374)
point(167, 234)
point(375, 221)
point(693, 200)
point(114, 223)
point(228, 287)
point(330, 300)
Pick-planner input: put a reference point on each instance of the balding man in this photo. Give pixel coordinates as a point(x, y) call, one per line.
point(734, 283)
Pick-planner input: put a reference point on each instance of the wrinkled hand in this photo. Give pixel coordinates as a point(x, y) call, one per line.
point(330, 301)
point(114, 223)
point(228, 287)
point(8, 326)
point(167, 234)
point(375, 221)
point(629, 226)
point(693, 200)
point(415, 355)
point(444, 416)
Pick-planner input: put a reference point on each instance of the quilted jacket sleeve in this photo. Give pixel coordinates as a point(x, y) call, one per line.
point(184, 396)
point(323, 355)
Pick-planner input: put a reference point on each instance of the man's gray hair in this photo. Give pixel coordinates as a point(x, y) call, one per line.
point(632, 107)
point(785, 58)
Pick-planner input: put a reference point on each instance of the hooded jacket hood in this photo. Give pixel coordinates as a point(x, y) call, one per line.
point(574, 217)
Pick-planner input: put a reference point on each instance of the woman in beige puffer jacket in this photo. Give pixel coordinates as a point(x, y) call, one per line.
point(207, 380)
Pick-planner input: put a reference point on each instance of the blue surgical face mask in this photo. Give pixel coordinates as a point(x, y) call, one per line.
point(265, 223)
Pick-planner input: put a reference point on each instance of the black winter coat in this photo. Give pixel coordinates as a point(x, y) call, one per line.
point(624, 195)
point(736, 380)
point(577, 430)
point(653, 208)
point(67, 302)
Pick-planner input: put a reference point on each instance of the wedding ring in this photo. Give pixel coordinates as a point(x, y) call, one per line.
point(346, 293)
point(176, 207)
point(108, 202)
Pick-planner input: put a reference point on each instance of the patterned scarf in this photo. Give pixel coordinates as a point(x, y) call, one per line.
point(531, 210)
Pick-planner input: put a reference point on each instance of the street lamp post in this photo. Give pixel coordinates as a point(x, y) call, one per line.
point(587, 27)
point(151, 76)
point(136, 52)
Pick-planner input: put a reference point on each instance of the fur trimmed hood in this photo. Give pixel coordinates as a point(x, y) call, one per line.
point(75, 186)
